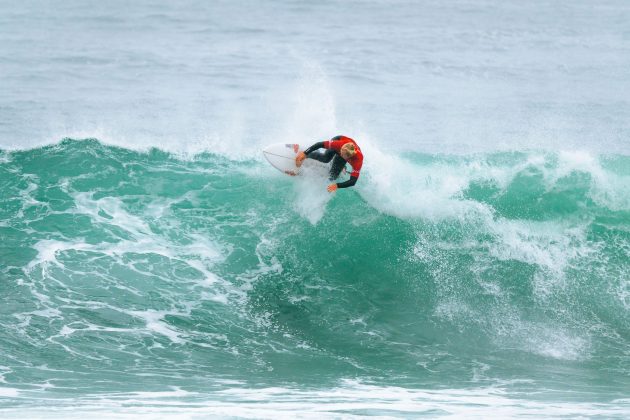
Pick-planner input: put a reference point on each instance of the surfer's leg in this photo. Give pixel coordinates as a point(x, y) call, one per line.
point(337, 166)
point(323, 156)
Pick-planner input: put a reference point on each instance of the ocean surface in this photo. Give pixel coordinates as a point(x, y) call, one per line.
point(153, 265)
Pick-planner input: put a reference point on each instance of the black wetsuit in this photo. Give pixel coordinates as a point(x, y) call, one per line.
point(333, 152)
point(326, 156)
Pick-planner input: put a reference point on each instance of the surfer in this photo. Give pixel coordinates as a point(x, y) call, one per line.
point(339, 149)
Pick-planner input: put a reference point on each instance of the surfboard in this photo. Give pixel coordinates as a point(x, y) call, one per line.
point(282, 157)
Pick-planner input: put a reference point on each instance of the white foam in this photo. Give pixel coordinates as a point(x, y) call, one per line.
point(308, 106)
point(47, 313)
point(623, 291)
point(48, 249)
point(86, 204)
point(176, 392)
point(9, 392)
point(351, 399)
point(399, 187)
point(154, 321)
point(200, 252)
point(550, 245)
point(26, 198)
point(433, 190)
point(558, 344)
point(217, 297)
point(311, 197)
point(66, 331)
point(606, 188)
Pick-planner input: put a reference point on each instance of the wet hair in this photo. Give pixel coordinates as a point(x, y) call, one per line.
point(349, 149)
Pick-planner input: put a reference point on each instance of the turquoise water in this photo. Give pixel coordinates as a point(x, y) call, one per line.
point(133, 277)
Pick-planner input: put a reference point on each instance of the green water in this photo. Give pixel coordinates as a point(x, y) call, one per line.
point(125, 271)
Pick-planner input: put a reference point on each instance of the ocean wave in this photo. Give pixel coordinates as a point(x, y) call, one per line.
point(215, 267)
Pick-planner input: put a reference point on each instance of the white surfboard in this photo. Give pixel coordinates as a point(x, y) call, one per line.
point(282, 157)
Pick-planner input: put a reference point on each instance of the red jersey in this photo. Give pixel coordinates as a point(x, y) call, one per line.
point(356, 161)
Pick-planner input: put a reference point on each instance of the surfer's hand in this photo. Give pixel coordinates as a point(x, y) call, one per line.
point(299, 159)
point(332, 188)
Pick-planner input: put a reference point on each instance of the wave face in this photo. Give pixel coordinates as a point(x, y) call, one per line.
point(126, 271)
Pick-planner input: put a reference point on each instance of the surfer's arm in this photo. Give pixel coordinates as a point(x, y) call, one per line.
point(348, 183)
point(303, 155)
point(354, 175)
point(345, 184)
point(314, 147)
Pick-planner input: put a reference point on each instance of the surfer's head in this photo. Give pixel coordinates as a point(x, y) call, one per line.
point(348, 151)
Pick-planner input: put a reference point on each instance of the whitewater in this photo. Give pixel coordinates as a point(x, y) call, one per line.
point(153, 265)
